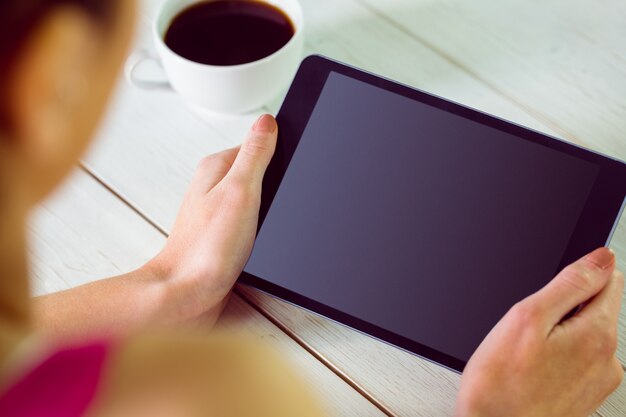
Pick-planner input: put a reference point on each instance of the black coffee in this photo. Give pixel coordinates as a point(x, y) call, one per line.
point(229, 32)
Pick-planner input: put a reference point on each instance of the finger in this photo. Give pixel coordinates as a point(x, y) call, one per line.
point(212, 169)
point(256, 151)
point(574, 285)
point(606, 305)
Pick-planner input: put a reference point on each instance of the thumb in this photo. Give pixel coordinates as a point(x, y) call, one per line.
point(574, 285)
point(256, 151)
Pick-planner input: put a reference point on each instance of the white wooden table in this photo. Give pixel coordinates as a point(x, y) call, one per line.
point(558, 66)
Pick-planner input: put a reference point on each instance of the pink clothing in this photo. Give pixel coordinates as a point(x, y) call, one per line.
point(63, 385)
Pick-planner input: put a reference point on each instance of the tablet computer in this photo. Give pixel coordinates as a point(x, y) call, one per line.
point(417, 220)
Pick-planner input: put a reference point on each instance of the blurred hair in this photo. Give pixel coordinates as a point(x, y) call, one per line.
point(18, 19)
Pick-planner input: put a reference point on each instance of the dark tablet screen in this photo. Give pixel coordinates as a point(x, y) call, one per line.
point(417, 220)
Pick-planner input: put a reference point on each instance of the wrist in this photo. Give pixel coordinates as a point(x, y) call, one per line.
point(173, 300)
point(463, 413)
point(185, 296)
point(468, 407)
point(157, 271)
point(466, 413)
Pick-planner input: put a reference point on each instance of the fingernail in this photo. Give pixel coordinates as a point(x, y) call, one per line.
point(265, 123)
point(602, 257)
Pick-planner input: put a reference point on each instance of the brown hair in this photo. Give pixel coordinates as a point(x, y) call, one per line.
point(18, 18)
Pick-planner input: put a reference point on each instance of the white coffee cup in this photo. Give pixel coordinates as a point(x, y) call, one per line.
point(221, 89)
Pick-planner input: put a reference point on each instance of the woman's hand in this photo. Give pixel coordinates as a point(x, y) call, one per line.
point(534, 364)
point(194, 273)
point(215, 228)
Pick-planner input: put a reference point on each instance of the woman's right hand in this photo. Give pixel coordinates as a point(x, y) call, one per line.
point(534, 364)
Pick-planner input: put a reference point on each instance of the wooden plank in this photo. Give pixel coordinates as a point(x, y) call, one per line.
point(84, 232)
point(352, 33)
point(81, 233)
point(563, 60)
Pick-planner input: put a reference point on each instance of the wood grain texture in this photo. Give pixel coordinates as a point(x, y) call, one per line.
point(84, 232)
point(81, 233)
point(151, 142)
point(563, 60)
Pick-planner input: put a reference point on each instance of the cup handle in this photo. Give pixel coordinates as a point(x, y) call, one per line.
point(134, 61)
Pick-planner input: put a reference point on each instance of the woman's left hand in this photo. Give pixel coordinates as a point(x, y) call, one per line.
point(215, 228)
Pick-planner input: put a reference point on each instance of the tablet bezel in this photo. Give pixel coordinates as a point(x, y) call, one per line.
point(594, 228)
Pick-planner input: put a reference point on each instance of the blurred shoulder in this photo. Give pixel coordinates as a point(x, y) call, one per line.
point(193, 375)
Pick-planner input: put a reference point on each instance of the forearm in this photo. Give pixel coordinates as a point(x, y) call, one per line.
point(113, 306)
